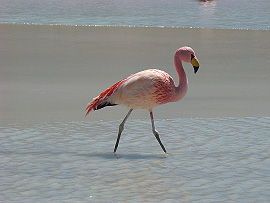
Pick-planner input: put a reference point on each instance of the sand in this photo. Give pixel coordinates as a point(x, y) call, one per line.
point(50, 73)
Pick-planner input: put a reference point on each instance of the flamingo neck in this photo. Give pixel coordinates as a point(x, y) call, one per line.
point(183, 81)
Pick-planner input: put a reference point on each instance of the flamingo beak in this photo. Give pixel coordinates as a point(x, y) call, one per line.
point(195, 63)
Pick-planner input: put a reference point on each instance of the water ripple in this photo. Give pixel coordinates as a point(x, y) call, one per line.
point(209, 159)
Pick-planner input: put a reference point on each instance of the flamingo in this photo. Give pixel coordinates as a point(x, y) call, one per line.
point(146, 90)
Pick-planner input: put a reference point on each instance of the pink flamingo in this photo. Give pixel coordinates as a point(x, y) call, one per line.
point(147, 89)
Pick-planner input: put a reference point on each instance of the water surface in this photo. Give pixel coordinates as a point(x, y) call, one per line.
point(209, 160)
point(242, 14)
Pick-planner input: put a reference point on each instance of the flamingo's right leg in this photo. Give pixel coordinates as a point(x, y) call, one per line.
point(155, 132)
point(121, 128)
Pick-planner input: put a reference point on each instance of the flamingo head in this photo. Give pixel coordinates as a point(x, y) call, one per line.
point(187, 54)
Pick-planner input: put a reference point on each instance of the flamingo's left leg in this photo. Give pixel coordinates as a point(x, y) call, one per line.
point(121, 128)
point(156, 132)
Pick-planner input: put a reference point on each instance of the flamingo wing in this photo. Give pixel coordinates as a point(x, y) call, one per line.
point(102, 100)
point(142, 90)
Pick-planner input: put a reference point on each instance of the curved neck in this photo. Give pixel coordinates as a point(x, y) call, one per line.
point(183, 81)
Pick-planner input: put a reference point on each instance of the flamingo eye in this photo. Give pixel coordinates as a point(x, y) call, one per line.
point(192, 56)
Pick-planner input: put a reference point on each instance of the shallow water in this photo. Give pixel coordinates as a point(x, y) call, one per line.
point(171, 13)
point(209, 160)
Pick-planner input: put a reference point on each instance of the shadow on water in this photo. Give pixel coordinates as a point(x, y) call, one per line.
point(107, 155)
point(99, 155)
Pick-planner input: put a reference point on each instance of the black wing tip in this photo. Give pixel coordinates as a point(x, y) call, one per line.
point(104, 105)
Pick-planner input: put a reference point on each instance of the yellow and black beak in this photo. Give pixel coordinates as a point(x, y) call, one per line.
point(194, 61)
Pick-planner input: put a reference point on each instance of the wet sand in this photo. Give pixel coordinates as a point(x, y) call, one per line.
point(50, 73)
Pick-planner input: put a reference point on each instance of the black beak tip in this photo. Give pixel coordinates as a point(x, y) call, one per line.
point(196, 68)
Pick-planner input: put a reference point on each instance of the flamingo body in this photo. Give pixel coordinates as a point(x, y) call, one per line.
point(147, 89)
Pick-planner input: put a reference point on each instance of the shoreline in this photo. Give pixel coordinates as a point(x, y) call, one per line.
point(49, 73)
point(133, 26)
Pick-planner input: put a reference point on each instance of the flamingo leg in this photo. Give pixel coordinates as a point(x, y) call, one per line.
point(121, 128)
point(156, 132)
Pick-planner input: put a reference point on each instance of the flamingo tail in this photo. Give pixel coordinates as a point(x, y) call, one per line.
point(102, 100)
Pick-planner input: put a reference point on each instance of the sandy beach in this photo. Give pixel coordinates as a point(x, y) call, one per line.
point(50, 73)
